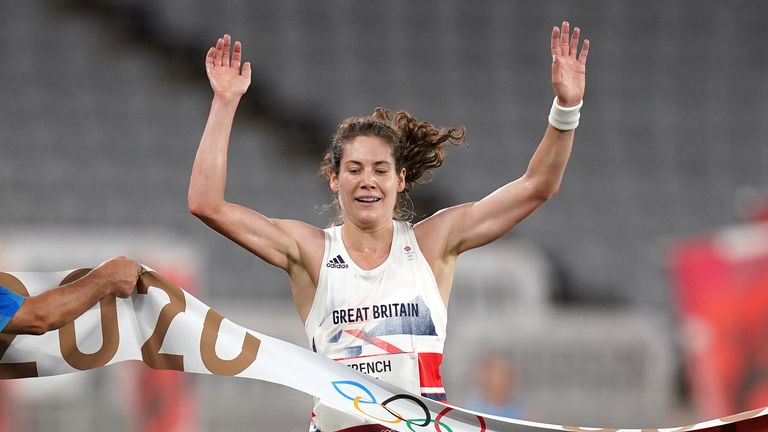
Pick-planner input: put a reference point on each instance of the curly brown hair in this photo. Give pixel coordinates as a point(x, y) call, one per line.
point(417, 146)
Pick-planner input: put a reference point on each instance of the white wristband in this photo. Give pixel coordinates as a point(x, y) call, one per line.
point(564, 118)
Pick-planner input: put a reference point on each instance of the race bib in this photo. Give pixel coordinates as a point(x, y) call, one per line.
point(401, 370)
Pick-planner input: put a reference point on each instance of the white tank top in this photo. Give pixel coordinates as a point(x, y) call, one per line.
point(388, 322)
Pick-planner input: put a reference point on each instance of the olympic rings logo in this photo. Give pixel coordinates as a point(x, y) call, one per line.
point(364, 402)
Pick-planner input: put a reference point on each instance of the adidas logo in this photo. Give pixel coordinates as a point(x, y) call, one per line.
point(337, 262)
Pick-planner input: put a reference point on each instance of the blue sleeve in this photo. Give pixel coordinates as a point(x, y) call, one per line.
point(10, 302)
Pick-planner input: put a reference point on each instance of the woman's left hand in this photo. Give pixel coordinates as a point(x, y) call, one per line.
point(568, 70)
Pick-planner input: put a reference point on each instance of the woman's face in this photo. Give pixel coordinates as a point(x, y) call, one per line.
point(367, 182)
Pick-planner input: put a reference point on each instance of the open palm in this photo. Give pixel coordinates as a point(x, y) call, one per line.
point(224, 73)
point(568, 71)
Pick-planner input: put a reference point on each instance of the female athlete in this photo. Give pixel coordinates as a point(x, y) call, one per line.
point(373, 290)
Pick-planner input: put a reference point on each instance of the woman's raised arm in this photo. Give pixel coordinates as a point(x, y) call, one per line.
point(275, 241)
point(474, 224)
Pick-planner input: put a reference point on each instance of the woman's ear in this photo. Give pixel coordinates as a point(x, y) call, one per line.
point(333, 180)
point(401, 180)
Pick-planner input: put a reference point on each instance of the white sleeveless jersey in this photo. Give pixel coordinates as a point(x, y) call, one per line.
point(388, 322)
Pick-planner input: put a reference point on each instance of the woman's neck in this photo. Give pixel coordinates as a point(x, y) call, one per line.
point(367, 241)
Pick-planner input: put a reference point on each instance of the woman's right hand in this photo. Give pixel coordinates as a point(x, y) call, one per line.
point(224, 73)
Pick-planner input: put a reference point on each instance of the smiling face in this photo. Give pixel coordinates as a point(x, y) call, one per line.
point(368, 182)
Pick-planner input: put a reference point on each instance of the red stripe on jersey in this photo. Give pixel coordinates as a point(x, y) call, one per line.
point(386, 346)
point(429, 369)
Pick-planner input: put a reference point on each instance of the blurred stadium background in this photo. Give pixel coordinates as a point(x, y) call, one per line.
point(594, 298)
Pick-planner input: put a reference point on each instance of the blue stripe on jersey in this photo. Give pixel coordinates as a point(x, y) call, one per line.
point(421, 325)
point(355, 351)
point(439, 397)
point(10, 302)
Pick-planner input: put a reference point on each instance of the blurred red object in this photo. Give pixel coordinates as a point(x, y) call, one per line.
point(721, 281)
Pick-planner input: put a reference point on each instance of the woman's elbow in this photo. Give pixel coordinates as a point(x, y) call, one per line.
point(196, 208)
point(204, 211)
point(550, 193)
point(541, 188)
point(200, 208)
point(543, 191)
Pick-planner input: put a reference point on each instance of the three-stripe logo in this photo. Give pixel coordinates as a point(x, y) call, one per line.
point(337, 262)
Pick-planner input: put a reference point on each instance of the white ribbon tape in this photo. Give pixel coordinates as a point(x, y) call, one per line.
point(167, 328)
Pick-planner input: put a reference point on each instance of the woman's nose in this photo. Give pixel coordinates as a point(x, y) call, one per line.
point(368, 179)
